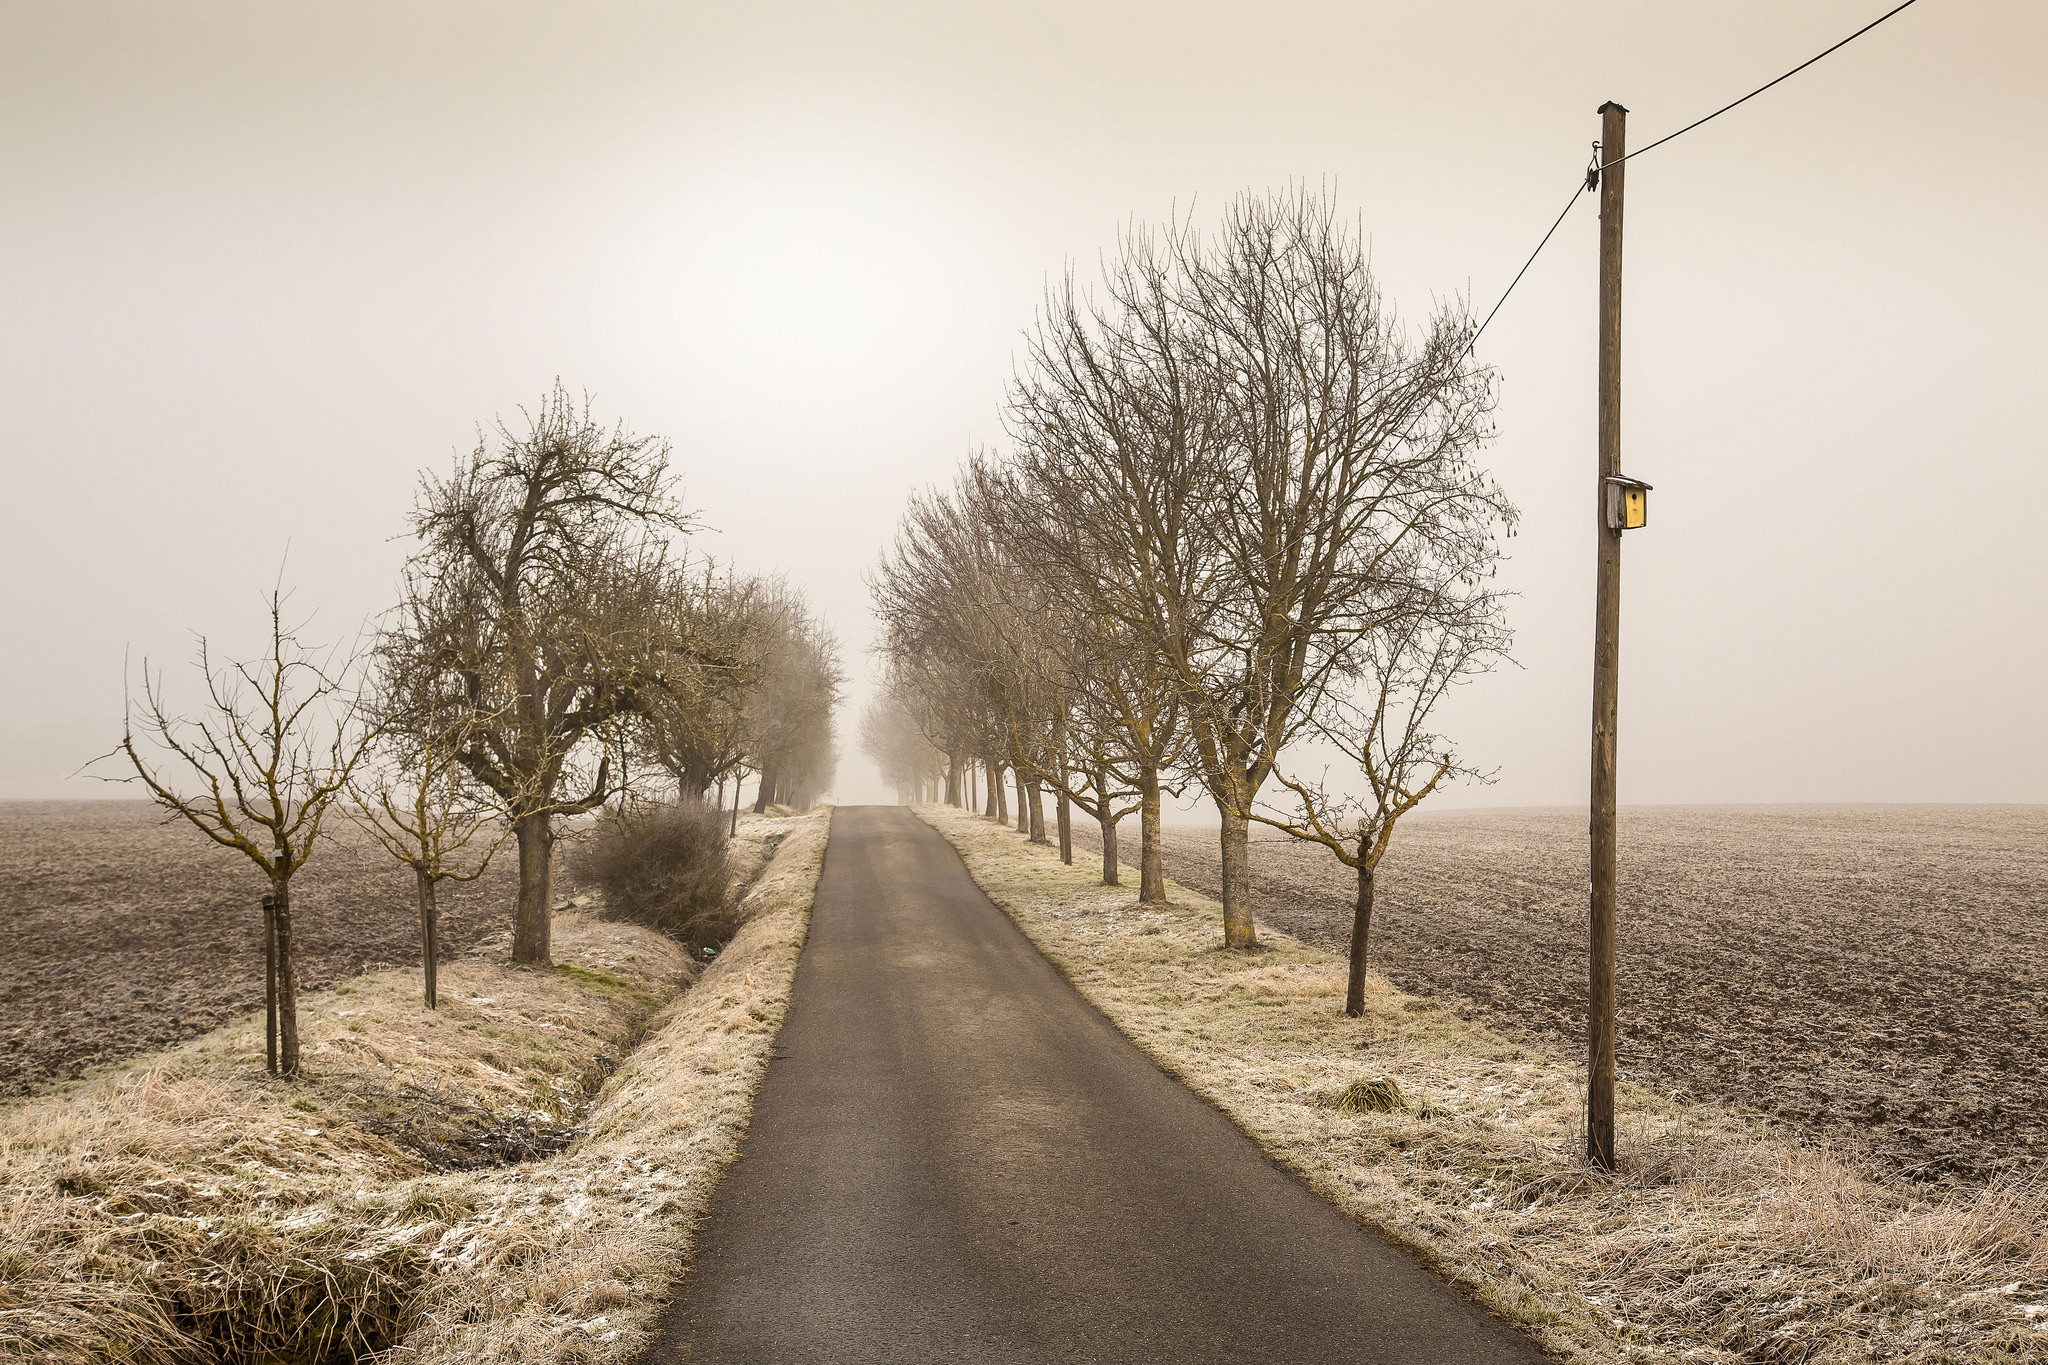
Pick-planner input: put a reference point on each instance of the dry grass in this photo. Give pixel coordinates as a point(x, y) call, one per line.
point(577, 1253)
point(186, 1207)
point(1875, 976)
point(1718, 1241)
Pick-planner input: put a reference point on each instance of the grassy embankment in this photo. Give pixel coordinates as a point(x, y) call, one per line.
point(1717, 1241)
point(184, 1206)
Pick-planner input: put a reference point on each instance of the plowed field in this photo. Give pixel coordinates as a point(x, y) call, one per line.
point(1875, 975)
point(120, 934)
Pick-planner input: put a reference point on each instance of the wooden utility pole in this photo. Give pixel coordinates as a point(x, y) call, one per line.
point(1606, 653)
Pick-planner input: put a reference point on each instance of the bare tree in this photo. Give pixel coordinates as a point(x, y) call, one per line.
point(694, 725)
point(1095, 781)
point(276, 744)
point(897, 739)
point(1379, 720)
point(419, 809)
point(1018, 631)
point(937, 698)
point(539, 586)
point(952, 602)
point(789, 714)
point(1343, 441)
point(1118, 741)
point(1118, 456)
point(1228, 465)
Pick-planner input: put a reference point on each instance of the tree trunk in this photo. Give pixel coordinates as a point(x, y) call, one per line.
point(998, 795)
point(1361, 929)
point(1037, 793)
point(1110, 870)
point(270, 985)
point(952, 781)
point(1151, 853)
point(532, 923)
point(694, 781)
point(1023, 803)
point(1066, 823)
point(430, 933)
point(287, 982)
point(765, 791)
point(1238, 930)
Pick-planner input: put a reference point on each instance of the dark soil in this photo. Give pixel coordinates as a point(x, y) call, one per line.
point(1874, 975)
point(121, 934)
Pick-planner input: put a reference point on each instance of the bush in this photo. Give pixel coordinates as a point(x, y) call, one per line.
point(664, 867)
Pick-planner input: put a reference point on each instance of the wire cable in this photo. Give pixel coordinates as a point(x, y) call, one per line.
point(1577, 190)
point(1760, 89)
point(1593, 172)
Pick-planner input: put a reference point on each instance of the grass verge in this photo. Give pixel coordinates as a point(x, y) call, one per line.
point(1719, 1240)
point(187, 1207)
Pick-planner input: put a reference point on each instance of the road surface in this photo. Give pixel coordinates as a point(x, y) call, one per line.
point(955, 1158)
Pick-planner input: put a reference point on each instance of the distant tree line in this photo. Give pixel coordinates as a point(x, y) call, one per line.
point(1241, 537)
point(555, 648)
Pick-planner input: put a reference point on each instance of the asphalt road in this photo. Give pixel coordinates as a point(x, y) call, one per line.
point(955, 1158)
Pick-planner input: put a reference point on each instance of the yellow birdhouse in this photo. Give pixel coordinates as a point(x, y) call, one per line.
point(1628, 503)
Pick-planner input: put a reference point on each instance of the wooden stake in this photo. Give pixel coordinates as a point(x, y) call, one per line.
point(270, 983)
point(1606, 656)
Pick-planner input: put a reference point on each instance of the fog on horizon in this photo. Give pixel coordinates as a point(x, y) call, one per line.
point(262, 266)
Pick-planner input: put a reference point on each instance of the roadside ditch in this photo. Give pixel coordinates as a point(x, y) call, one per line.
point(513, 1177)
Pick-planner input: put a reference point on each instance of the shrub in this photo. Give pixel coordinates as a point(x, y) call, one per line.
point(664, 867)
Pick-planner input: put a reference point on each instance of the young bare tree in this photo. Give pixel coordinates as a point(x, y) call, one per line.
point(256, 772)
point(419, 808)
point(1449, 628)
point(540, 588)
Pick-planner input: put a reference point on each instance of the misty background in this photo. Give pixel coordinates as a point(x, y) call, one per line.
point(260, 266)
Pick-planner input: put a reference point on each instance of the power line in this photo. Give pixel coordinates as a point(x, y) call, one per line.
point(1593, 172)
point(1577, 190)
point(1761, 88)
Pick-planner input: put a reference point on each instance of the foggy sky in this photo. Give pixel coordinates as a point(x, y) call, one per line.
point(260, 265)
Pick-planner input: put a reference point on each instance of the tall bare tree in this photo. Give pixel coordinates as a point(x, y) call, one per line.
point(1118, 457)
point(1343, 440)
point(952, 605)
point(896, 736)
point(789, 714)
point(539, 583)
point(256, 772)
point(1227, 462)
point(694, 725)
